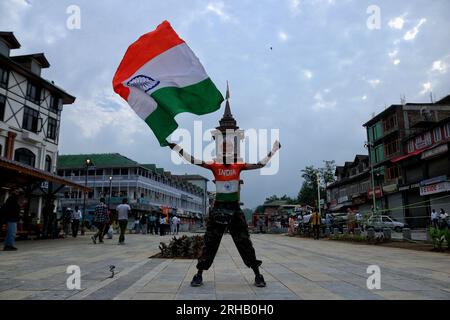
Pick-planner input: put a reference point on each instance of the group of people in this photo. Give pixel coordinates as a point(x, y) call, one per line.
point(144, 223)
point(440, 220)
point(157, 224)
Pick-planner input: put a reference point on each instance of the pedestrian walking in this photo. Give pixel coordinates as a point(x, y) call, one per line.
point(143, 223)
point(162, 226)
point(175, 225)
point(66, 218)
point(123, 210)
point(316, 222)
point(152, 224)
point(443, 219)
point(76, 218)
point(101, 220)
point(47, 213)
point(434, 218)
point(10, 213)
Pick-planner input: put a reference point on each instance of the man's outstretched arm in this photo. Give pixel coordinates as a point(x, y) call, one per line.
point(251, 166)
point(186, 156)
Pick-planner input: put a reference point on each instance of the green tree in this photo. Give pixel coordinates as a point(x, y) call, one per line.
point(306, 195)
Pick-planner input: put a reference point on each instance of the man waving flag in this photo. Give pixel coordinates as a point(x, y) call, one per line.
point(160, 77)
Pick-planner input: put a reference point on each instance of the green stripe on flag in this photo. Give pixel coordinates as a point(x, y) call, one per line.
point(199, 98)
point(227, 197)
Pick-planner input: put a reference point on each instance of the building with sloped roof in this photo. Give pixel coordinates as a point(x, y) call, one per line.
point(113, 176)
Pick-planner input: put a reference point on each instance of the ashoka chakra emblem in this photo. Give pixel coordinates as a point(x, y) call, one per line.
point(145, 83)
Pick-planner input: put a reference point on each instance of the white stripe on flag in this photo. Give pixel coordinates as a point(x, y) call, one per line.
point(227, 186)
point(141, 102)
point(176, 67)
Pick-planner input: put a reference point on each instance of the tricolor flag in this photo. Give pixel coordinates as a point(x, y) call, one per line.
point(160, 77)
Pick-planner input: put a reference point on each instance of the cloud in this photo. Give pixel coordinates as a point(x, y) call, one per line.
point(411, 34)
point(321, 103)
point(426, 88)
point(364, 97)
point(374, 82)
point(283, 36)
point(396, 61)
point(294, 6)
point(439, 66)
point(218, 9)
point(396, 23)
point(308, 74)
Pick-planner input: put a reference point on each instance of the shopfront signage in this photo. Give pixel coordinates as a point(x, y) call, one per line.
point(390, 188)
point(434, 152)
point(435, 188)
point(404, 188)
point(378, 193)
point(343, 199)
point(433, 180)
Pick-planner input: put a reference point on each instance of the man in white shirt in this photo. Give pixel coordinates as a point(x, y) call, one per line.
point(122, 211)
point(434, 218)
point(175, 224)
point(76, 218)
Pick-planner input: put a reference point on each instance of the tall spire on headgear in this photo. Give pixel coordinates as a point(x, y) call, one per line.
point(227, 121)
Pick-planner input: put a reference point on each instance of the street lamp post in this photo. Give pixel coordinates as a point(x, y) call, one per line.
point(110, 190)
point(318, 193)
point(87, 164)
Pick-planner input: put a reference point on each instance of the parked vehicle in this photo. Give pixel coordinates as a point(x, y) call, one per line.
point(380, 222)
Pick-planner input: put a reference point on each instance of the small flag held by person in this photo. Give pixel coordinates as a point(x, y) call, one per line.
point(160, 77)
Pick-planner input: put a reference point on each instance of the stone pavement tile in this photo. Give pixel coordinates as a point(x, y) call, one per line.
point(153, 296)
point(400, 295)
point(6, 284)
point(233, 287)
point(51, 295)
point(15, 294)
point(348, 291)
point(208, 287)
point(237, 296)
point(199, 296)
point(312, 275)
point(161, 286)
point(42, 273)
point(436, 294)
point(409, 285)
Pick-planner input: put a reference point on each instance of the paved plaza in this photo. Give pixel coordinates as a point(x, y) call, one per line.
point(294, 268)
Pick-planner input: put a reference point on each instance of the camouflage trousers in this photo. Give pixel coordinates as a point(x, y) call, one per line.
point(239, 232)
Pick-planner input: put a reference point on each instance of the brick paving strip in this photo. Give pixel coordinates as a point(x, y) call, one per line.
point(294, 268)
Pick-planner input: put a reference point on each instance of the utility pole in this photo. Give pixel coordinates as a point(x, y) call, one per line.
point(318, 192)
point(369, 145)
point(87, 163)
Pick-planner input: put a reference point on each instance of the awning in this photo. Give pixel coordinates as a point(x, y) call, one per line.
point(414, 153)
point(15, 174)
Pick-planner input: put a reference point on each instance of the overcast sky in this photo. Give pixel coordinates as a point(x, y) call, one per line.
point(326, 73)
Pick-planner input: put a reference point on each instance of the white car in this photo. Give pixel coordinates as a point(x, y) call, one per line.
point(380, 222)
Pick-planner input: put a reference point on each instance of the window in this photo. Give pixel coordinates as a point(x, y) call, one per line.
point(390, 123)
point(33, 93)
point(392, 173)
point(391, 148)
point(25, 156)
point(30, 120)
point(2, 107)
point(377, 154)
point(48, 163)
point(4, 76)
point(54, 103)
point(447, 130)
point(427, 137)
point(437, 134)
point(410, 146)
point(51, 128)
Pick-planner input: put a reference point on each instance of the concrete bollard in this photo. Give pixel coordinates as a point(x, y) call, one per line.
point(336, 231)
point(345, 230)
point(387, 233)
point(370, 234)
point(357, 231)
point(406, 234)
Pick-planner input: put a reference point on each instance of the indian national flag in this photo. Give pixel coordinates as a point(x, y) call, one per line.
point(160, 77)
